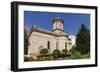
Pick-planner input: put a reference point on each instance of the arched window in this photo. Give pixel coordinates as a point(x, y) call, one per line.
point(56, 25)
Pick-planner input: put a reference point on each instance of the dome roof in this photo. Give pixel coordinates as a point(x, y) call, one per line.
point(58, 19)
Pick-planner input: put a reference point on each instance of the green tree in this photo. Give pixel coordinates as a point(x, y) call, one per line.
point(43, 51)
point(83, 40)
point(56, 53)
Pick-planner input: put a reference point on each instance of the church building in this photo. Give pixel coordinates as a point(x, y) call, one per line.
point(43, 39)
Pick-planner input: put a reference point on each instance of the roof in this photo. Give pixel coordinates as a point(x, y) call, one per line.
point(46, 32)
point(58, 19)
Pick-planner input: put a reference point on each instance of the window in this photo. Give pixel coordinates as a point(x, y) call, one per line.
point(65, 45)
point(48, 44)
point(56, 26)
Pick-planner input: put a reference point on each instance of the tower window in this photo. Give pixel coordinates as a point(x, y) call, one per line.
point(56, 26)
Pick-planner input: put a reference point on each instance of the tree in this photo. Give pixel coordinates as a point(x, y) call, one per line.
point(83, 40)
point(43, 51)
point(56, 53)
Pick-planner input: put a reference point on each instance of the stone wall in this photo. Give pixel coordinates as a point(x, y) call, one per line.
point(38, 41)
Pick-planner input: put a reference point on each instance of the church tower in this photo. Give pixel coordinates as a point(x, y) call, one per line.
point(58, 24)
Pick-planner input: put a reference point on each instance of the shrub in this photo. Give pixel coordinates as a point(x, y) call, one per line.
point(26, 59)
point(76, 55)
point(64, 51)
point(56, 53)
point(73, 50)
point(43, 51)
point(31, 59)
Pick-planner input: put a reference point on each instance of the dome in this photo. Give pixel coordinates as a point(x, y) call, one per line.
point(58, 19)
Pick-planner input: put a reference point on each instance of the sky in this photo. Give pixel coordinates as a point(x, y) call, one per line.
point(72, 21)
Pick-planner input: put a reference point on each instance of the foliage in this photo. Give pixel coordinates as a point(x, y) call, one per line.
point(73, 50)
point(64, 51)
point(43, 51)
point(76, 55)
point(83, 40)
point(26, 59)
point(56, 53)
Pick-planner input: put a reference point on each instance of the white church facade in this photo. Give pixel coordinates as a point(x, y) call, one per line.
point(57, 39)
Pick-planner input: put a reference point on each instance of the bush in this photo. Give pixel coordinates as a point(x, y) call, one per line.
point(64, 51)
point(43, 51)
point(26, 59)
point(31, 59)
point(56, 53)
point(73, 50)
point(76, 55)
